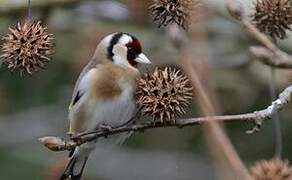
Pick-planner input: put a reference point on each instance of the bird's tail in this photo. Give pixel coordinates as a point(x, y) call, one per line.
point(76, 164)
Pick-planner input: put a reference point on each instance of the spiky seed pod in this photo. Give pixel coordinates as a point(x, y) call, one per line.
point(274, 169)
point(164, 94)
point(273, 17)
point(27, 48)
point(167, 11)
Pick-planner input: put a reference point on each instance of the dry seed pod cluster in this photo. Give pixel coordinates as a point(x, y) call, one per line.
point(274, 169)
point(168, 11)
point(273, 17)
point(164, 94)
point(27, 48)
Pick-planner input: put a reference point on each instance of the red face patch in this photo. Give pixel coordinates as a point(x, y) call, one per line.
point(134, 49)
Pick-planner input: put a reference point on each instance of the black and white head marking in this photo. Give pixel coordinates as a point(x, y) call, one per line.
point(114, 40)
point(124, 49)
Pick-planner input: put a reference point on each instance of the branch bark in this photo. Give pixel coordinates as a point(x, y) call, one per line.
point(257, 116)
point(266, 57)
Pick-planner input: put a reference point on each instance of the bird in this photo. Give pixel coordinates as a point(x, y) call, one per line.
point(104, 94)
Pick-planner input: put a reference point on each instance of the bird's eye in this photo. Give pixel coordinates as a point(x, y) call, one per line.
point(134, 47)
point(132, 51)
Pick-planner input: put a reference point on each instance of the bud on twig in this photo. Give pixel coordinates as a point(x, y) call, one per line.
point(235, 8)
point(55, 143)
point(177, 36)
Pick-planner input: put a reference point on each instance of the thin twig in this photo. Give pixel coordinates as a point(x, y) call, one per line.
point(194, 61)
point(276, 118)
point(270, 55)
point(280, 59)
point(29, 17)
point(265, 56)
point(257, 35)
point(223, 152)
point(257, 116)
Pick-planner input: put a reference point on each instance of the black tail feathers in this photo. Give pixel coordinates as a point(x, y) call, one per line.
point(74, 168)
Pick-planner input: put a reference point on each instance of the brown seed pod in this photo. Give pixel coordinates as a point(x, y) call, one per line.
point(27, 47)
point(168, 11)
point(273, 17)
point(164, 94)
point(275, 169)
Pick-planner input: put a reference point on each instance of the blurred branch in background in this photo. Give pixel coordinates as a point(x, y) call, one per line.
point(267, 25)
point(10, 7)
point(194, 61)
point(276, 57)
point(266, 57)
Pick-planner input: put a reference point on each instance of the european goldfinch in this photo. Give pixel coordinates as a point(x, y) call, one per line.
point(104, 93)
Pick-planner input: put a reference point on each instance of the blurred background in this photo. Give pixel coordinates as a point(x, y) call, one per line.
point(36, 106)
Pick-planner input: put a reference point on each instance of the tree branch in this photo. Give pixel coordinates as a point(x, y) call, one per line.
point(279, 58)
point(56, 144)
point(265, 56)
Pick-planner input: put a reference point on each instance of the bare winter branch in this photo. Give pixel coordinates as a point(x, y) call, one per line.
point(257, 116)
point(265, 56)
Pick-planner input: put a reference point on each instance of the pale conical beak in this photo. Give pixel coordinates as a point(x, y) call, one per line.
point(142, 59)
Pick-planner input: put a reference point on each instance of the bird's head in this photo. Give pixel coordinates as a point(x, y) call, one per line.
point(122, 49)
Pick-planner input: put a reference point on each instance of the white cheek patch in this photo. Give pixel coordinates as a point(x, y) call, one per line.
point(120, 55)
point(120, 52)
